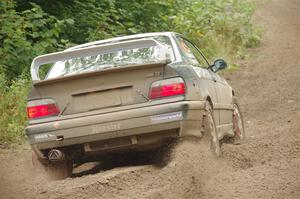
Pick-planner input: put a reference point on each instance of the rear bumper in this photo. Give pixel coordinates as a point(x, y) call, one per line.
point(183, 116)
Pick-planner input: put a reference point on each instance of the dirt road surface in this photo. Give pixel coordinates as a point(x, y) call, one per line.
point(266, 166)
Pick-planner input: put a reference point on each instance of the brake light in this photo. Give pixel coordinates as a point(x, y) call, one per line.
point(42, 108)
point(167, 88)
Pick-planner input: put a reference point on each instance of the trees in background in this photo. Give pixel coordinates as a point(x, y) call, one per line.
point(33, 27)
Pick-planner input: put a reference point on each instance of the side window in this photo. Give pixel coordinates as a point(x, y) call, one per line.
point(191, 53)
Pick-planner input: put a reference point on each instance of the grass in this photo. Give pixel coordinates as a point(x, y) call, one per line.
point(13, 110)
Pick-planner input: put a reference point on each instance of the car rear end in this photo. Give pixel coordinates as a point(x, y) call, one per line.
point(98, 111)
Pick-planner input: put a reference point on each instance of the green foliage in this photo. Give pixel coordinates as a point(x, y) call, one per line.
point(24, 35)
point(131, 17)
point(28, 28)
point(221, 28)
point(100, 19)
point(13, 109)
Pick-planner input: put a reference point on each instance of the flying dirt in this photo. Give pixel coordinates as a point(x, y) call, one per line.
point(267, 165)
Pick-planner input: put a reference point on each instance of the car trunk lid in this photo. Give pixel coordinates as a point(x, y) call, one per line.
point(103, 89)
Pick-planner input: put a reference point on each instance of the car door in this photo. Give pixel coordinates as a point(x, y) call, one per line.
point(194, 57)
point(224, 95)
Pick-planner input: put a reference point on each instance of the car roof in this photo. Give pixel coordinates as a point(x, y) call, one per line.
point(116, 39)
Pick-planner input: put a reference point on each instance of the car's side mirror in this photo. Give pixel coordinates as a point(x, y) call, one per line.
point(219, 64)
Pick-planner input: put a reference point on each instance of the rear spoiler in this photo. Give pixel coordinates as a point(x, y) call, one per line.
point(94, 50)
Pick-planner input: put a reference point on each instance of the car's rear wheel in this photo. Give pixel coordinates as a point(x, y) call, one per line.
point(237, 124)
point(52, 170)
point(209, 133)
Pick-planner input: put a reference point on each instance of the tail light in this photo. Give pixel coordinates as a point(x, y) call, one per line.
point(42, 108)
point(167, 88)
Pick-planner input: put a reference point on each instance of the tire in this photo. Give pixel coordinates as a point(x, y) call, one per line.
point(237, 124)
point(210, 135)
point(53, 171)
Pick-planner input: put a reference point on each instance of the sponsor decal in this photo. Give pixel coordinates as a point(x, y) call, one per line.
point(168, 117)
point(44, 136)
point(56, 125)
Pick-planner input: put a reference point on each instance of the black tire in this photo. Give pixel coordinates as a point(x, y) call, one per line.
point(210, 135)
point(53, 171)
point(237, 124)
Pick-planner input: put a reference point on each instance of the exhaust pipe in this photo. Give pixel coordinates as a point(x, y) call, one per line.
point(56, 155)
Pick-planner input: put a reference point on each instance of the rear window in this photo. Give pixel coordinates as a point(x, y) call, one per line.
point(113, 59)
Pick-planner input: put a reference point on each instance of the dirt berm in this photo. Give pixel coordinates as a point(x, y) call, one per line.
point(266, 166)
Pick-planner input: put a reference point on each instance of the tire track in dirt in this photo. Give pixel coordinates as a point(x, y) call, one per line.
point(266, 166)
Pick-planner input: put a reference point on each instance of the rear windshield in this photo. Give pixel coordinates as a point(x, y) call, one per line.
point(113, 59)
